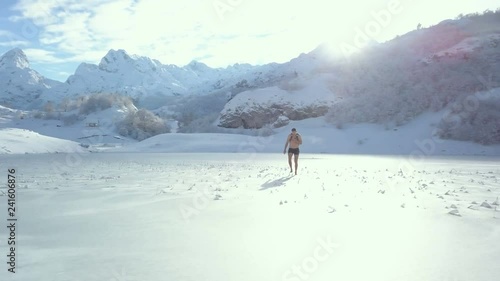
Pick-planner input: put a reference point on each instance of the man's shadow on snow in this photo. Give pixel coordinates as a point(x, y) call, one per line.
point(275, 183)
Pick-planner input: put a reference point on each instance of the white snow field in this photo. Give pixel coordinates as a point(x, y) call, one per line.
point(242, 216)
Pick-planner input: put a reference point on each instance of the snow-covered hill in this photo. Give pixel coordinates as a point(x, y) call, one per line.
point(24, 132)
point(295, 99)
point(390, 83)
point(20, 141)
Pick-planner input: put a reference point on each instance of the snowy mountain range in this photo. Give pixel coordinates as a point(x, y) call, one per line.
point(139, 77)
point(436, 69)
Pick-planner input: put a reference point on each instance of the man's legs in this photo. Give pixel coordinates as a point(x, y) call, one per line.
point(290, 161)
point(296, 162)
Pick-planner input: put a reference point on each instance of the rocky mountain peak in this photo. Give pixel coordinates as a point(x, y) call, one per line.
point(14, 58)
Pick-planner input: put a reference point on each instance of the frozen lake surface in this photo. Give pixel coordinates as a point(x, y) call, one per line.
point(194, 216)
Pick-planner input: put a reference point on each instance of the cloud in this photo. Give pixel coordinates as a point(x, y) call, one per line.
point(41, 12)
point(6, 33)
point(176, 32)
point(11, 40)
point(71, 35)
point(43, 56)
point(14, 44)
point(80, 28)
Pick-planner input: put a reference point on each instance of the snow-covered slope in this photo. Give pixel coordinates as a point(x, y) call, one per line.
point(464, 48)
point(7, 114)
point(424, 70)
point(20, 141)
point(22, 132)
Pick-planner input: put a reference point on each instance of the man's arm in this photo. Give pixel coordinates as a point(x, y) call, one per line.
point(286, 144)
point(300, 139)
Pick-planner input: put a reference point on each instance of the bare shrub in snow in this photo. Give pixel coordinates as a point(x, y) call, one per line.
point(49, 107)
point(199, 110)
point(70, 119)
point(480, 123)
point(102, 101)
point(142, 124)
point(291, 85)
point(203, 124)
point(38, 114)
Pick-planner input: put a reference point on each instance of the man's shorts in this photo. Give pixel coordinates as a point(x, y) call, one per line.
point(294, 151)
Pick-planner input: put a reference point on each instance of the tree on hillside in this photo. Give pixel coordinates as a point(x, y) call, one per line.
point(49, 107)
point(142, 124)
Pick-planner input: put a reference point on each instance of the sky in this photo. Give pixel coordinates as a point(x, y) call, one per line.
point(58, 35)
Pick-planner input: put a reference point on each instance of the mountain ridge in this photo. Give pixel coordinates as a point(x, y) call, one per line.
point(135, 76)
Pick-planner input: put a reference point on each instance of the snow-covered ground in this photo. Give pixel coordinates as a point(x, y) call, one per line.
point(216, 216)
point(230, 210)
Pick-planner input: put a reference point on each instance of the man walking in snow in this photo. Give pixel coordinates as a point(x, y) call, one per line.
point(294, 140)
